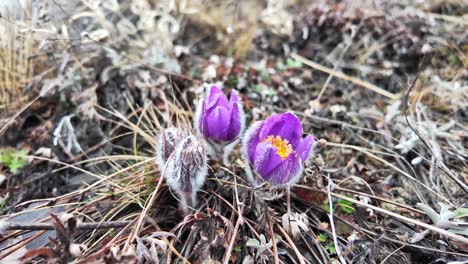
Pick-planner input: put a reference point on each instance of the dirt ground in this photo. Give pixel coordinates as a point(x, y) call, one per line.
point(86, 87)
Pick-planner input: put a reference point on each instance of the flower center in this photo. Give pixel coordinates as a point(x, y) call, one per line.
point(283, 148)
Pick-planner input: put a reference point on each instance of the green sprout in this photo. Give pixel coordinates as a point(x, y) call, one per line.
point(238, 249)
point(327, 243)
point(13, 160)
point(340, 205)
point(322, 237)
point(292, 63)
point(194, 72)
point(346, 206)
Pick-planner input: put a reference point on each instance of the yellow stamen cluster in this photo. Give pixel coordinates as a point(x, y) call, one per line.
point(283, 148)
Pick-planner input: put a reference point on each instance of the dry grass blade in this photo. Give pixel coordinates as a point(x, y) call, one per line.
point(367, 152)
point(16, 65)
point(291, 244)
point(406, 219)
point(345, 77)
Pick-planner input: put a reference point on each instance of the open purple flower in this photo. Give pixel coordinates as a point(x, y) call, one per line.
point(219, 120)
point(276, 150)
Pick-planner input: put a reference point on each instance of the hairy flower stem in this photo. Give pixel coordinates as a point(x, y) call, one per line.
point(188, 201)
point(218, 153)
point(221, 152)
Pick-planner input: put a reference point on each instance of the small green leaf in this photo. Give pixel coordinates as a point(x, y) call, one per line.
point(238, 249)
point(346, 206)
point(258, 88)
point(460, 212)
point(194, 72)
point(252, 243)
point(331, 248)
point(232, 81)
point(13, 160)
point(16, 165)
point(292, 63)
point(347, 209)
point(322, 237)
point(271, 92)
point(281, 66)
point(452, 59)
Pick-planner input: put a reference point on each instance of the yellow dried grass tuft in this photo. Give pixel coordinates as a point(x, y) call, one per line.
point(16, 51)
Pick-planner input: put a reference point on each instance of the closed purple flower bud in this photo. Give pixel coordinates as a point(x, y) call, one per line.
point(276, 150)
point(218, 119)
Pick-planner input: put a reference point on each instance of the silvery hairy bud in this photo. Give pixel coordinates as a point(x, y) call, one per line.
point(186, 168)
point(167, 142)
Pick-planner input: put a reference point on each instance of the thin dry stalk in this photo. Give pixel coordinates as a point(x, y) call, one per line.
point(346, 77)
point(332, 222)
point(291, 244)
point(403, 218)
point(80, 226)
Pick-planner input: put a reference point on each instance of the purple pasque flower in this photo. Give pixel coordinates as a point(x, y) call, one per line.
point(218, 119)
point(276, 150)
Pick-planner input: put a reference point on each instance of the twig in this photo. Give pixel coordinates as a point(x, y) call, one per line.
point(246, 220)
point(444, 168)
point(340, 59)
point(291, 243)
point(21, 244)
point(389, 255)
point(233, 239)
point(80, 226)
point(373, 235)
point(345, 77)
point(275, 248)
point(401, 217)
point(332, 224)
point(240, 220)
point(372, 155)
point(159, 70)
point(381, 199)
point(142, 216)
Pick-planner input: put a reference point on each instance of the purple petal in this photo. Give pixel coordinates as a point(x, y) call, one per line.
point(216, 98)
point(286, 125)
point(234, 124)
point(288, 172)
point(234, 97)
point(218, 123)
point(303, 149)
point(266, 159)
point(251, 140)
point(214, 91)
point(203, 122)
